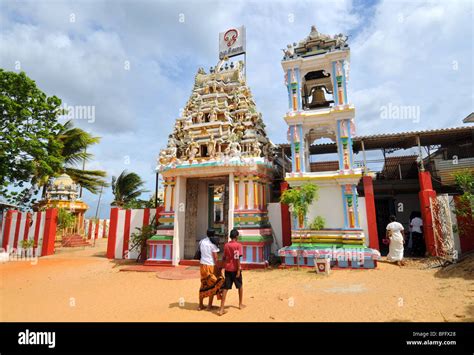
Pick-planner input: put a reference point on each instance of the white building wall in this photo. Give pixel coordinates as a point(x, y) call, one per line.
point(454, 221)
point(179, 220)
point(136, 221)
point(363, 219)
point(120, 232)
point(274, 216)
point(329, 206)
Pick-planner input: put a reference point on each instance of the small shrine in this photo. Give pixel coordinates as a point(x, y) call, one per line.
point(217, 169)
point(316, 75)
point(62, 192)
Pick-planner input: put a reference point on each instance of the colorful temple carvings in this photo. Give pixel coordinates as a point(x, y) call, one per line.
point(218, 147)
point(316, 74)
point(219, 122)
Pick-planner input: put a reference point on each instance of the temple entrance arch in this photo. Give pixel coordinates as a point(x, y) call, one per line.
point(207, 207)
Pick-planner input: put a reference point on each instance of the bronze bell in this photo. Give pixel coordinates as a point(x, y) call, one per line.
point(318, 99)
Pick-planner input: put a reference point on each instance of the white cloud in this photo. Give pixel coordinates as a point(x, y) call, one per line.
point(405, 56)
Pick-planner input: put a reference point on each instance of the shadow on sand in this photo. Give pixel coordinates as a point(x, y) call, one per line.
point(100, 254)
point(464, 269)
point(124, 262)
point(193, 306)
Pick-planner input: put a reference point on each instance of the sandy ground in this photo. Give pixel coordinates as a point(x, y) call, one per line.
point(82, 285)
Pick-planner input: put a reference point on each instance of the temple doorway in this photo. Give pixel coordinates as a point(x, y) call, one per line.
point(207, 206)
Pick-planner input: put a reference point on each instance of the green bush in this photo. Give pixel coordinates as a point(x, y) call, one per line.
point(65, 220)
point(318, 223)
point(300, 198)
point(465, 181)
point(138, 240)
point(27, 244)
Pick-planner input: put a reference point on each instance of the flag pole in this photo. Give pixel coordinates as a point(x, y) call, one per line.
point(245, 66)
point(97, 212)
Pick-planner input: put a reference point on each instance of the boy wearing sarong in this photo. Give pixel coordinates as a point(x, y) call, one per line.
point(211, 282)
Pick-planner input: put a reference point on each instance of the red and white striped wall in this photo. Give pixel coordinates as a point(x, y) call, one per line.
point(123, 223)
point(96, 228)
point(38, 226)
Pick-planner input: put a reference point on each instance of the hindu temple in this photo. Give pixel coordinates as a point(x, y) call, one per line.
point(216, 168)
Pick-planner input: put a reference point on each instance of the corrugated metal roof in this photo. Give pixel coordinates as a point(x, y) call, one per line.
point(404, 140)
point(446, 168)
point(400, 167)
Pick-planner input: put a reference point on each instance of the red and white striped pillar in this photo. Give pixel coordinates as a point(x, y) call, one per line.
point(49, 235)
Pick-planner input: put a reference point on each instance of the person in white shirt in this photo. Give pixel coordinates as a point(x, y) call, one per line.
point(395, 236)
point(416, 227)
point(211, 281)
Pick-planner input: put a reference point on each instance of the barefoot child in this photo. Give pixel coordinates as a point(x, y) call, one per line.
point(233, 272)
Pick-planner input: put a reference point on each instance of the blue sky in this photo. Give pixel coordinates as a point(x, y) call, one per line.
point(414, 53)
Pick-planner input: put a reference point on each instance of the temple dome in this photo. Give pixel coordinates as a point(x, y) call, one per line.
point(62, 192)
point(63, 179)
point(62, 188)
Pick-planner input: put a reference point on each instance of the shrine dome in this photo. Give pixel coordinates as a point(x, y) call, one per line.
point(64, 181)
point(62, 188)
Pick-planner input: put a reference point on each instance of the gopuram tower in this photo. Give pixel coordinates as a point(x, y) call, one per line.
point(217, 168)
point(316, 73)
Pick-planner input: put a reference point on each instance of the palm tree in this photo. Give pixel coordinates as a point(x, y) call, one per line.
point(73, 143)
point(126, 188)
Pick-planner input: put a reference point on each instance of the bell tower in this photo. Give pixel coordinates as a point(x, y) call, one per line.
point(316, 74)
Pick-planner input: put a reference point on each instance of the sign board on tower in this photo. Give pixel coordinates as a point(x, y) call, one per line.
point(232, 42)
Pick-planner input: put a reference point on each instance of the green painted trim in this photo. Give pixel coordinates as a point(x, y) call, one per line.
point(325, 246)
point(256, 238)
point(219, 164)
point(252, 226)
point(161, 237)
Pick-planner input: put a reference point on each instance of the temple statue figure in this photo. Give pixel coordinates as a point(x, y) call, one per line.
point(256, 149)
point(213, 116)
point(193, 150)
point(211, 147)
